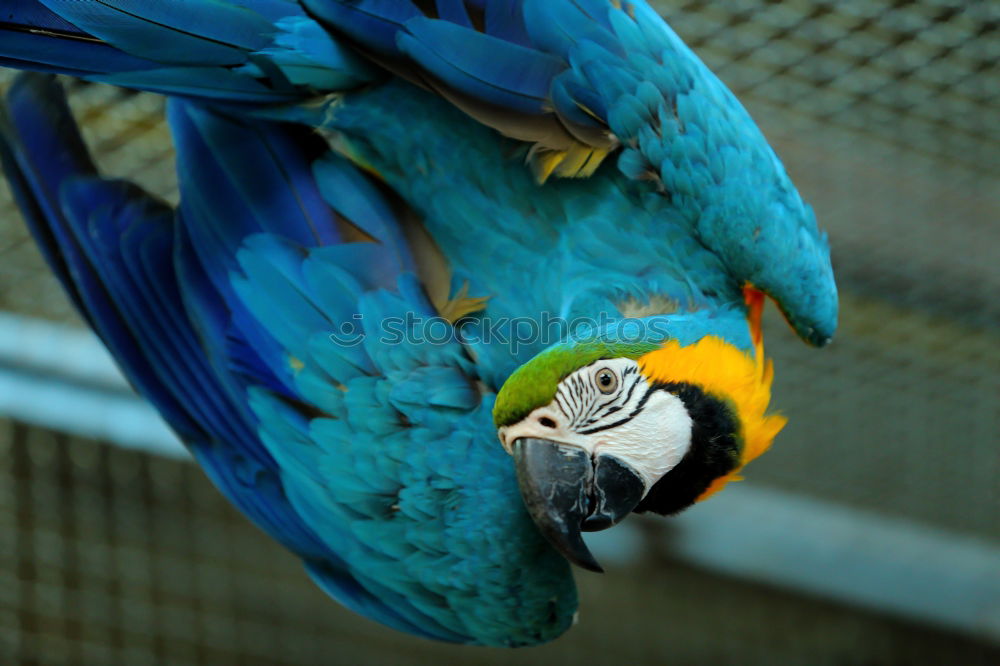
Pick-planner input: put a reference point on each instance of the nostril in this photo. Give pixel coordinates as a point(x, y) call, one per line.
point(547, 422)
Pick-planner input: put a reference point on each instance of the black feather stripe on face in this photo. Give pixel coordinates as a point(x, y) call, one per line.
point(627, 395)
point(715, 451)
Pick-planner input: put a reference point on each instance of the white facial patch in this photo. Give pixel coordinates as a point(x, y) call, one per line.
point(609, 407)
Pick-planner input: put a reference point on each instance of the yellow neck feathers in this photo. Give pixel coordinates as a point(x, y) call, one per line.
point(725, 372)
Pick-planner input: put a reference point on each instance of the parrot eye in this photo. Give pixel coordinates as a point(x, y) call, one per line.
point(606, 380)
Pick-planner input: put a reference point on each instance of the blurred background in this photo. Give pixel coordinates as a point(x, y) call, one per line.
point(869, 535)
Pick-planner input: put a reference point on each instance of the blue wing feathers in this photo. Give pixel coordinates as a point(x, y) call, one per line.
point(307, 56)
point(504, 19)
point(33, 15)
point(43, 160)
point(221, 314)
point(249, 51)
point(117, 245)
point(604, 71)
point(560, 27)
point(355, 198)
point(601, 67)
point(454, 11)
point(492, 69)
point(65, 56)
point(373, 23)
point(179, 32)
point(263, 171)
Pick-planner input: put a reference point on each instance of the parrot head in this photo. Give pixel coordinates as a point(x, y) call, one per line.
point(600, 429)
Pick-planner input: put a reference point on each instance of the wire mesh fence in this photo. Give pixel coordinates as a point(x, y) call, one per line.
point(918, 72)
point(887, 115)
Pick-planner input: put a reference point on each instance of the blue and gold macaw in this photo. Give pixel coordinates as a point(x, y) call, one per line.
point(408, 229)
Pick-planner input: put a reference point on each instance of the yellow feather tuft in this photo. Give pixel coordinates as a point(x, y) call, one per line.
point(461, 304)
point(544, 162)
point(578, 161)
point(741, 379)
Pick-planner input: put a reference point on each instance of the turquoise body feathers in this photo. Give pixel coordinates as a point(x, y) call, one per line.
point(575, 250)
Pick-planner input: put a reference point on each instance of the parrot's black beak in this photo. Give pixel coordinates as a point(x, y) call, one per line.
point(568, 493)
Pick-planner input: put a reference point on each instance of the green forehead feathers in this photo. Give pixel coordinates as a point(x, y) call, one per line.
point(534, 383)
